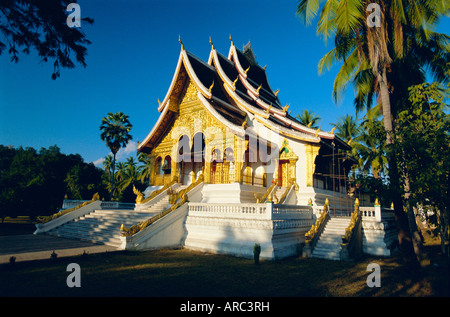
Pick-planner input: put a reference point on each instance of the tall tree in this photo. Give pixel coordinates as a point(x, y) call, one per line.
point(146, 167)
point(369, 51)
point(41, 25)
point(347, 127)
point(308, 118)
point(115, 132)
point(424, 131)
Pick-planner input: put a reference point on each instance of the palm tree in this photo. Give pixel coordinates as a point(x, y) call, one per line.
point(146, 167)
point(107, 164)
point(369, 54)
point(308, 118)
point(370, 147)
point(115, 129)
point(347, 128)
point(130, 174)
point(120, 171)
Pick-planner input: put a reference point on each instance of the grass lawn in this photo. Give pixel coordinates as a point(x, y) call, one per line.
point(183, 273)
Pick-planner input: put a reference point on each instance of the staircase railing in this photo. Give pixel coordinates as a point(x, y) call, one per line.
point(153, 198)
point(63, 212)
point(267, 194)
point(351, 246)
point(314, 233)
point(180, 198)
point(285, 194)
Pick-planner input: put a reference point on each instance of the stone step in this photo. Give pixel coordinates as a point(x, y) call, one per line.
point(103, 225)
point(329, 243)
point(91, 238)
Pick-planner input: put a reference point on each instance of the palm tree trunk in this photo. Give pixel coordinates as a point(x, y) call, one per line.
point(113, 175)
point(401, 219)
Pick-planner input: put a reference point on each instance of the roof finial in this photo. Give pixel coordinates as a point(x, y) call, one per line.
point(210, 42)
point(317, 132)
point(211, 87)
point(231, 40)
point(179, 40)
point(234, 82)
point(276, 92)
point(257, 89)
point(245, 71)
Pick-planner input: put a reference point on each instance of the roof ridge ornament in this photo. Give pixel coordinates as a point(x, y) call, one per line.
point(210, 42)
point(234, 82)
point(179, 40)
point(317, 132)
point(231, 40)
point(258, 89)
point(211, 87)
point(276, 92)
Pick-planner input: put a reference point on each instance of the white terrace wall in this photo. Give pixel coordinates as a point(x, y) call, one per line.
point(235, 228)
point(379, 232)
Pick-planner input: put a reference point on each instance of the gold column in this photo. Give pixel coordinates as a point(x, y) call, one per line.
point(312, 151)
point(239, 159)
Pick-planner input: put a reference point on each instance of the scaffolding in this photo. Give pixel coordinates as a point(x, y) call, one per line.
point(337, 160)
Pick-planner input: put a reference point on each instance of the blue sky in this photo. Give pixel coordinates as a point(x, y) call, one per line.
point(132, 59)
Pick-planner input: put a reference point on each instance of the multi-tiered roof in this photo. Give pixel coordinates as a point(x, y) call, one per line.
point(232, 88)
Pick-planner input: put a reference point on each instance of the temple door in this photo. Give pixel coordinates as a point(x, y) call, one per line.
point(283, 173)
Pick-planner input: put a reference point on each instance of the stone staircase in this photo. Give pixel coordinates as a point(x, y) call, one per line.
point(279, 191)
point(103, 226)
point(329, 244)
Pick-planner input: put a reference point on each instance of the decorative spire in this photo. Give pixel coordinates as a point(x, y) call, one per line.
point(210, 42)
point(317, 132)
point(231, 40)
point(179, 40)
point(235, 81)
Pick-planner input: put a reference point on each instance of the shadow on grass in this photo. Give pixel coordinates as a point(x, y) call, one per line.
point(183, 273)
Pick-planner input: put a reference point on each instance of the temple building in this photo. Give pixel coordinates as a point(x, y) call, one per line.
point(234, 172)
point(222, 119)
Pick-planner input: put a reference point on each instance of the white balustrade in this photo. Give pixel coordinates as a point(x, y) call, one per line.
point(266, 211)
point(371, 213)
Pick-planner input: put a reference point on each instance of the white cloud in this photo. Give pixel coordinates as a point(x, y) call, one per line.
point(128, 150)
point(99, 162)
